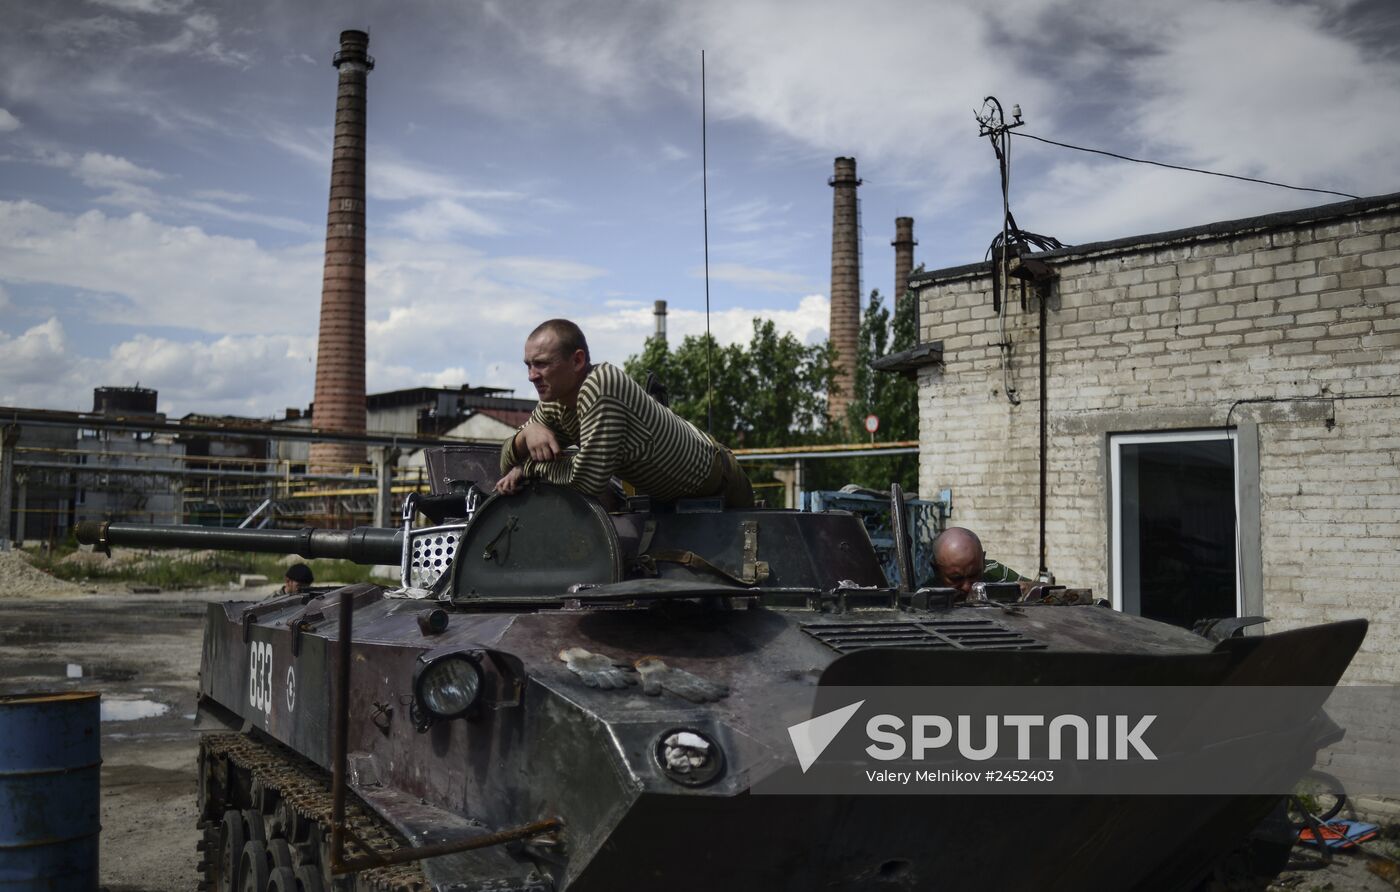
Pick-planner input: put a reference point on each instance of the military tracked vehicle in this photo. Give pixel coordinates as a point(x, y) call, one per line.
point(559, 697)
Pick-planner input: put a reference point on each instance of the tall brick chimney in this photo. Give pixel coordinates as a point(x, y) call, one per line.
point(845, 284)
point(904, 243)
point(340, 349)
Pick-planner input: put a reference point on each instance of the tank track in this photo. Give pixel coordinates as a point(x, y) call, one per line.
point(286, 789)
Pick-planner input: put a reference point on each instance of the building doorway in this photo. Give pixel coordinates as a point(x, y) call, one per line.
point(1174, 502)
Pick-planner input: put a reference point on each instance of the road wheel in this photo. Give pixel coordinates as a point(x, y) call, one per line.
point(280, 854)
point(232, 838)
point(255, 825)
point(253, 870)
point(310, 879)
point(282, 880)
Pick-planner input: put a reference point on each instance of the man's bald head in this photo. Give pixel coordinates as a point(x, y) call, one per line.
point(958, 556)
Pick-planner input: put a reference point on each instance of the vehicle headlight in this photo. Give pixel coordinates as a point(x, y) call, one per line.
point(688, 756)
point(448, 686)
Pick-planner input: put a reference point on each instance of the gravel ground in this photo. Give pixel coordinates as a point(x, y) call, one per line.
point(20, 580)
point(142, 653)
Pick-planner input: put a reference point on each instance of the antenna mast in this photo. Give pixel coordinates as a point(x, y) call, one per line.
point(705, 204)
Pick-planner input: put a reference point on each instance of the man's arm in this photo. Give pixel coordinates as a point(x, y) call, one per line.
point(518, 447)
point(602, 433)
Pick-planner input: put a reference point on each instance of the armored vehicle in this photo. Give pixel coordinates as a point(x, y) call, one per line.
point(559, 697)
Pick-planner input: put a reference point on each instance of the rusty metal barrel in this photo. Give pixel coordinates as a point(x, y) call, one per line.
point(50, 783)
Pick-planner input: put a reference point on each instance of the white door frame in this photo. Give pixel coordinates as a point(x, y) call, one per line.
point(1115, 442)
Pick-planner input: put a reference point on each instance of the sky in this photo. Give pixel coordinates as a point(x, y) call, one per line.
point(165, 165)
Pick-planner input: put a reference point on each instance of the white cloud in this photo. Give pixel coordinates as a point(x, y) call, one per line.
point(31, 358)
point(430, 306)
point(181, 276)
point(199, 38)
point(251, 375)
point(807, 321)
point(1143, 79)
point(100, 170)
point(1190, 86)
point(244, 375)
point(73, 37)
point(751, 216)
point(443, 218)
point(149, 7)
point(389, 178)
point(8, 122)
point(222, 195)
point(613, 336)
point(900, 94)
point(308, 144)
point(395, 179)
point(548, 273)
point(125, 184)
point(756, 277)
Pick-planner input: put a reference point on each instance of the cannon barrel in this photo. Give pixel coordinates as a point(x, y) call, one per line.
point(363, 545)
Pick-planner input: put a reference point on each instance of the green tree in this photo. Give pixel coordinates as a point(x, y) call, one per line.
point(769, 393)
point(889, 396)
point(683, 372)
point(784, 395)
point(772, 393)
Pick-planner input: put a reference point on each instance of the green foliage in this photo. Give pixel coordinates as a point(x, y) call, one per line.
point(769, 393)
point(891, 397)
point(772, 393)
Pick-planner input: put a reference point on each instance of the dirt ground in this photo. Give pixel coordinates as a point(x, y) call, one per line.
point(142, 653)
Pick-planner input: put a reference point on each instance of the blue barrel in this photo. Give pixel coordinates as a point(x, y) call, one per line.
point(50, 787)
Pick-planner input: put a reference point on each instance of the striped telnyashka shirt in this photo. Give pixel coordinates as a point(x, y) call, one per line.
point(620, 431)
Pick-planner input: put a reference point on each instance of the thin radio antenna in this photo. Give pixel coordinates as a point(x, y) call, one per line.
point(705, 204)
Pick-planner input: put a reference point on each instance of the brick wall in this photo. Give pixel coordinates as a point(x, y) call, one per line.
point(1168, 332)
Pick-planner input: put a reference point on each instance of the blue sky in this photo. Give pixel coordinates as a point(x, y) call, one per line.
point(164, 164)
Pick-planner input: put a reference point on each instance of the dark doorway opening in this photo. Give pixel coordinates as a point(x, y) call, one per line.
point(1174, 542)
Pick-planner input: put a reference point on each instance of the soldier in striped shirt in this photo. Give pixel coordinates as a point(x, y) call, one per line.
point(618, 428)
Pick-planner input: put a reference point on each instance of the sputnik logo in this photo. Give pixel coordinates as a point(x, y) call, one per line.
point(811, 737)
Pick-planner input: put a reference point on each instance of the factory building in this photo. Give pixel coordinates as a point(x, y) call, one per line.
point(1220, 413)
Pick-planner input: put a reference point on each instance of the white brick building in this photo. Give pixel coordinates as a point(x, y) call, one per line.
point(1262, 358)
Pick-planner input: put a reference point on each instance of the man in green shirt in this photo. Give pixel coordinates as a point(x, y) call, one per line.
point(960, 561)
point(618, 429)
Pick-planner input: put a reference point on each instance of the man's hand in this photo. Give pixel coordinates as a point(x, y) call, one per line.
point(510, 483)
point(538, 441)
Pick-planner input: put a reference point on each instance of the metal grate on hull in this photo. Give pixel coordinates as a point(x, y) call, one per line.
point(948, 634)
point(430, 555)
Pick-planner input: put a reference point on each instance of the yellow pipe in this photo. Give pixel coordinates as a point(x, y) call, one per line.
point(830, 447)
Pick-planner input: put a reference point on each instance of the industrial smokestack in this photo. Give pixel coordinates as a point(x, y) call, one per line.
point(340, 349)
point(904, 243)
point(845, 284)
point(659, 309)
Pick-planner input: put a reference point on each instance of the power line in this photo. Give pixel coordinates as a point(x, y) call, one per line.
point(1213, 173)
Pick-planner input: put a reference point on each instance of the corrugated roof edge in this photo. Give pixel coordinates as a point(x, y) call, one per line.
point(1318, 214)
